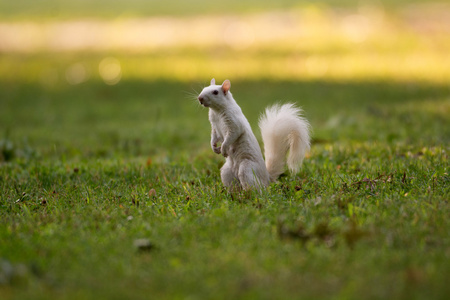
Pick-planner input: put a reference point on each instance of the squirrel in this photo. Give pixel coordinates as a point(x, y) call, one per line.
point(284, 131)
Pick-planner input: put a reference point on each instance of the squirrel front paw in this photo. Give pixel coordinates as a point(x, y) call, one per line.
point(215, 148)
point(224, 150)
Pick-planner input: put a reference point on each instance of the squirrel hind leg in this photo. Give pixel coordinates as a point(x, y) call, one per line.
point(229, 180)
point(249, 178)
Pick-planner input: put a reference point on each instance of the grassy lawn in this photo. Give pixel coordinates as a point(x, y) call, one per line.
point(72, 9)
point(111, 191)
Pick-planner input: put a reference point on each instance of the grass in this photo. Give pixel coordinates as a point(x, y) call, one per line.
point(70, 9)
point(112, 191)
point(366, 218)
point(357, 216)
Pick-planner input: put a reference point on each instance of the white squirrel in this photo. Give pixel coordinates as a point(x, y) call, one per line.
point(284, 131)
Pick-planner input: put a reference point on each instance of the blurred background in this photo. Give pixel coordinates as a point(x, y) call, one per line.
point(82, 79)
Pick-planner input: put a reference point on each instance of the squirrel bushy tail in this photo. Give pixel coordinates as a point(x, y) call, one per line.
point(285, 133)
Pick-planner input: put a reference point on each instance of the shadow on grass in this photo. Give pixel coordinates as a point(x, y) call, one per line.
point(147, 118)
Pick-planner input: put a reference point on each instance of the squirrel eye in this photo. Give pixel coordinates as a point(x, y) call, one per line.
point(216, 92)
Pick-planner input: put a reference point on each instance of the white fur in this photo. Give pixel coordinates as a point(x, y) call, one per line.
point(283, 131)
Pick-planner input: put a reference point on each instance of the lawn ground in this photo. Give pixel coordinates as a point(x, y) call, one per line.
point(109, 190)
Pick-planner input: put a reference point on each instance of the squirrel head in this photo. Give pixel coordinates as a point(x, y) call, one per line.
point(215, 96)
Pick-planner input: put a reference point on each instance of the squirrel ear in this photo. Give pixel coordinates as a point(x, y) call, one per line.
point(226, 86)
point(213, 81)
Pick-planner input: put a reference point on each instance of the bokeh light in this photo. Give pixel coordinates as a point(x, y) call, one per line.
point(76, 74)
point(110, 70)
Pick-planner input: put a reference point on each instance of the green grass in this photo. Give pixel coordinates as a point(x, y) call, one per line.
point(72, 9)
point(87, 170)
point(366, 218)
